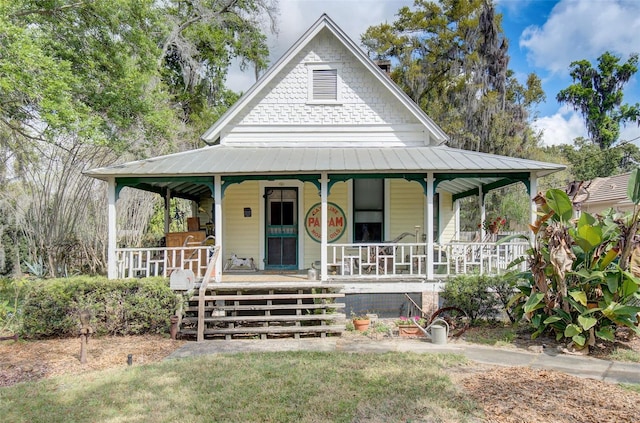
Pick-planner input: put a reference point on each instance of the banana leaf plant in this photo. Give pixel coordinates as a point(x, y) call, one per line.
point(583, 273)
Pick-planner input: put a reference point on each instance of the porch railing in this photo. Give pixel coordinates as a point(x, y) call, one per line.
point(409, 260)
point(346, 261)
point(161, 261)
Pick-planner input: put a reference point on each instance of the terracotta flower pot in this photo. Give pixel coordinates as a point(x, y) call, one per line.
point(361, 324)
point(409, 331)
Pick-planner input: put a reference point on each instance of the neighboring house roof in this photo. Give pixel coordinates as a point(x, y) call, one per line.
point(602, 193)
point(213, 134)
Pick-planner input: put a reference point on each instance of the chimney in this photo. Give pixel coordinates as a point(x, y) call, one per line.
point(385, 65)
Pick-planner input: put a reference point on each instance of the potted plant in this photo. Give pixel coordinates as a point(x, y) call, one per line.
point(407, 326)
point(493, 226)
point(361, 322)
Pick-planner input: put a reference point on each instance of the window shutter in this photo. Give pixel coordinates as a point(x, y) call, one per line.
point(325, 84)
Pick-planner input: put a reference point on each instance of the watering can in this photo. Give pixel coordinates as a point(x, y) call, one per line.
point(439, 331)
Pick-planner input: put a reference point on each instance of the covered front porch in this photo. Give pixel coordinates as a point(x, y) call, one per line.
point(281, 222)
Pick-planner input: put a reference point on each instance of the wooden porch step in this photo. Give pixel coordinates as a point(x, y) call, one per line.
point(266, 319)
point(262, 330)
point(259, 307)
point(258, 297)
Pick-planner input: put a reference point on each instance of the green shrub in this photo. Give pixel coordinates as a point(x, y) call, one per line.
point(118, 307)
point(11, 297)
point(477, 295)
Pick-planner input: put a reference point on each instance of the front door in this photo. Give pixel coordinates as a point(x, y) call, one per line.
point(282, 228)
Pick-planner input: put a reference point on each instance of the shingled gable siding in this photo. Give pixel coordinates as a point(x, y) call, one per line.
point(366, 113)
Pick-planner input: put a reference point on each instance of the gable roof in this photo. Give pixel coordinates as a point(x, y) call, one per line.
point(212, 135)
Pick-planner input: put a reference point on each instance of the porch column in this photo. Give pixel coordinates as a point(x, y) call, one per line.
point(324, 182)
point(456, 210)
point(112, 266)
point(217, 198)
point(430, 246)
point(167, 211)
point(483, 213)
point(533, 191)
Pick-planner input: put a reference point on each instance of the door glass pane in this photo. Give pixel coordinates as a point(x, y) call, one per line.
point(288, 214)
point(274, 251)
point(276, 213)
point(289, 251)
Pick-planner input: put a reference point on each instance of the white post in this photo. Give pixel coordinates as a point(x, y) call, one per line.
point(112, 267)
point(483, 213)
point(324, 182)
point(533, 191)
point(167, 211)
point(217, 198)
point(430, 246)
point(456, 206)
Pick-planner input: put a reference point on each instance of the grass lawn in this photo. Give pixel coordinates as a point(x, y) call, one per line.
point(256, 387)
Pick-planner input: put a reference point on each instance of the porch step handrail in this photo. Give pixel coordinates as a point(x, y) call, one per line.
point(208, 275)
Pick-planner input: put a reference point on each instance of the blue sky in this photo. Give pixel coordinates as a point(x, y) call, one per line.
point(545, 36)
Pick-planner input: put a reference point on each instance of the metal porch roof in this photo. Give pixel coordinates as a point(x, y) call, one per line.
point(471, 169)
point(227, 160)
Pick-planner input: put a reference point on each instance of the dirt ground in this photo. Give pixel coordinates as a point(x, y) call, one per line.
point(519, 395)
point(32, 360)
point(507, 394)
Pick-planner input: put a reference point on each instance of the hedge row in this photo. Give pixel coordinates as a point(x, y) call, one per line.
point(118, 307)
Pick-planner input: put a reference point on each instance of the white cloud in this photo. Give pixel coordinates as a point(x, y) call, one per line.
point(566, 125)
point(561, 128)
point(631, 133)
point(579, 30)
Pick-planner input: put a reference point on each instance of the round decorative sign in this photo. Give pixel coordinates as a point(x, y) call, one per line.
point(336, 222)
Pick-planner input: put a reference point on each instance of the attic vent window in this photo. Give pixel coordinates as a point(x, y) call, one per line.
point(325, 84)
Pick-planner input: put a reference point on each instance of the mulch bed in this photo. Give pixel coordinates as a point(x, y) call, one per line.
point(32, 360)
point(519, 395)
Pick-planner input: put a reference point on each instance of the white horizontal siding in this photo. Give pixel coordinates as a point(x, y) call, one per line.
point(241, 233)
point(447, 218)
point(406, 208)
point(337, 135)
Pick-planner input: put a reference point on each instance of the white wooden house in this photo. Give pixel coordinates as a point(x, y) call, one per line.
point(324, 160)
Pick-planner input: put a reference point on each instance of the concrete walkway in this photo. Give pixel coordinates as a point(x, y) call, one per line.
point(587, 367)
